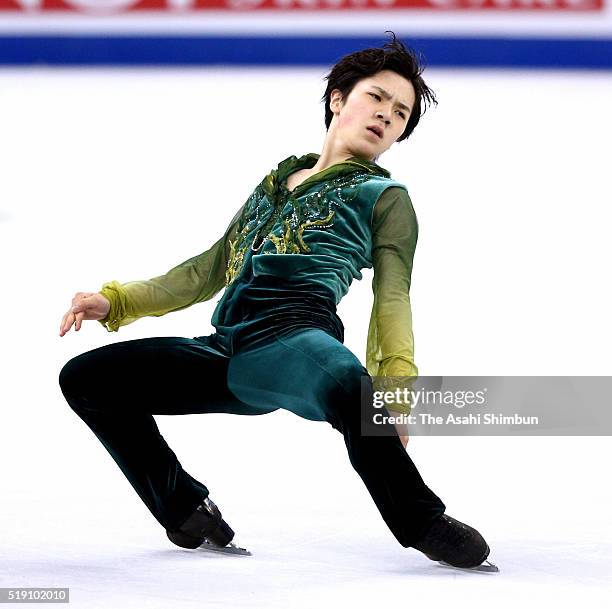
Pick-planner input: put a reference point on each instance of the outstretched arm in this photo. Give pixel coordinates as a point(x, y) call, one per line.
point(195, 280)
point(390, 345)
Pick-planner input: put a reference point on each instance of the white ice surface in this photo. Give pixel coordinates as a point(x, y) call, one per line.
point(508, 178)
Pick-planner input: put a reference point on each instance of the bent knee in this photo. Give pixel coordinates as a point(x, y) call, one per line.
point(73, 375)
point(67, 376)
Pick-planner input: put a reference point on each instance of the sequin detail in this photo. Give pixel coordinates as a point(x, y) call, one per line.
point(257, 209)
point(289, 219)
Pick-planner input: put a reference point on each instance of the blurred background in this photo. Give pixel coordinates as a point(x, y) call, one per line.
point(131, 132)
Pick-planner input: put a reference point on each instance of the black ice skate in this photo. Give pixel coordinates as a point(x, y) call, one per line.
point(205, 529)
point(455, 544)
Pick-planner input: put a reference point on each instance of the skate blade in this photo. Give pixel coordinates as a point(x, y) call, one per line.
point(483, 568)
point(230, 548)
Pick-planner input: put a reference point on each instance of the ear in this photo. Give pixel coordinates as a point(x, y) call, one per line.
point(335, 101)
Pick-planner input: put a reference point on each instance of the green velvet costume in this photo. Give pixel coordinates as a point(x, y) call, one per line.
point(347, 217)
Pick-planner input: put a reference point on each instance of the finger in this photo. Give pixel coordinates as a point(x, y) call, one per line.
point(79, 311)
point(64, 326)
point(67, 323)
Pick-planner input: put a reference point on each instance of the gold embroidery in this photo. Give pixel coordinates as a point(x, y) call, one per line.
point(234, 265)
point(323, 223)
point(313, 211)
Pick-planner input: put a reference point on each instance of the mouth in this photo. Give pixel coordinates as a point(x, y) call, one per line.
point(376, 130)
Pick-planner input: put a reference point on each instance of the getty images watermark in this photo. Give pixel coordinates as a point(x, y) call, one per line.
point(487, 405)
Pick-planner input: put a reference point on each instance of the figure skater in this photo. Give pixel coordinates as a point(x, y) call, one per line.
point(286, 259)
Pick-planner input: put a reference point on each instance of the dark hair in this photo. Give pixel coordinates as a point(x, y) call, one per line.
point(361, 64)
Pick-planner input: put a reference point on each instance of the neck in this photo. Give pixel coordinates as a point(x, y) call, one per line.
point(334, 151)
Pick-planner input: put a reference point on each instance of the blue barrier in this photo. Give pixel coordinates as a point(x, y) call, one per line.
point(114, 50)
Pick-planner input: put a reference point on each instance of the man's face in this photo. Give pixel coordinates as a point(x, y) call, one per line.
point(375, 103)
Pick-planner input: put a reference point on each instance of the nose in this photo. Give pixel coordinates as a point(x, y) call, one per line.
point(380, 114)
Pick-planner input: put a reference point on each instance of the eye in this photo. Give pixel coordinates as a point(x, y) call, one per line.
point(379, 98)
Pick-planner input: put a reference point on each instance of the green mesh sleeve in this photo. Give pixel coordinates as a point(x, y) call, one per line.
point(390, 342)
point(195, 280)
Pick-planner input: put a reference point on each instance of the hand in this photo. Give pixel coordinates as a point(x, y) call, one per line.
point(402, 432)
point(85, 305)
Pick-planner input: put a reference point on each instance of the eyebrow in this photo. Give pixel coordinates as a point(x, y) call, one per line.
point(386, 95)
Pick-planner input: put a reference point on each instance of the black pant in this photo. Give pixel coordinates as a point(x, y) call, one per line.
point(117, 388)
